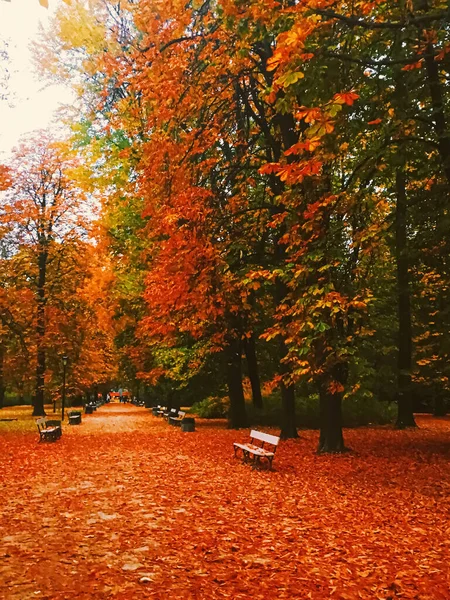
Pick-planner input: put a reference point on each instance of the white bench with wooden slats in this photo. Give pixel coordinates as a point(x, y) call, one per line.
point(47, 432)
point(253, 452)
point(176, 420)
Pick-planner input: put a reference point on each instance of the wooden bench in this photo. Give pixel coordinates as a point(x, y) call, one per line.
point(48, 432)
point(176, 419)
point(254, 451)
point(170, 413)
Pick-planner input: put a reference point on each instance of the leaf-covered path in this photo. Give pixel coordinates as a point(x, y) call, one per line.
point(126, 507)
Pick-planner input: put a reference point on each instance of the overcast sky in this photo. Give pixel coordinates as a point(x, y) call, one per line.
point(34, 104)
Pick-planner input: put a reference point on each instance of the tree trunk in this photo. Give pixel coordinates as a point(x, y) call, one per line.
point(405, 416)
point(2, 381)
point(38, 401)
point(440, 406)
point(237, 416)
point(331, 439)
point(288, 420)
point(437, 102)
point(253, 371)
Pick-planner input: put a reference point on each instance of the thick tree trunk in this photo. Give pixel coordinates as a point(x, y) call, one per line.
point(253, 371)
point(2, 381)
point(405, 416)
point(38, 401)
point(331, 438)
point(237, 415)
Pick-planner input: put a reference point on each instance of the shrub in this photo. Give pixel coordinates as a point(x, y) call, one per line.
point(211, 408)
point(356, 411)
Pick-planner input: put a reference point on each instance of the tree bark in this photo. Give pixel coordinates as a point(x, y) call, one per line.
point(237, 415)
point(440, 405)
point(438, 103)
point(253, 371)
point(2, 381)
point(38, 401)
point(331, 439)
point(405, 416)
point(288, 420)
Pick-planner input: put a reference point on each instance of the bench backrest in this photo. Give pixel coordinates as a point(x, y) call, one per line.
point(41, 423)
point(264, 437)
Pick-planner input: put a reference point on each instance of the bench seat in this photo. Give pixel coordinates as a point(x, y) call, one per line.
point(254, 453)
point(47, 432)
point(254, 449)
point(176, 420)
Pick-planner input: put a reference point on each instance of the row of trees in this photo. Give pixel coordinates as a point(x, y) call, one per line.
point(54, 281)
point(276, 183)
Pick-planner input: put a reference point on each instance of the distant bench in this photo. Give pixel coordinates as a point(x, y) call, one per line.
point(254, 451)
point(177, 417)
point(49, 431)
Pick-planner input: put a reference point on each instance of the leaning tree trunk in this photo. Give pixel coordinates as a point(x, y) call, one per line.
point(253, 371)
point(38, 401)
point(237, 415)
point(331, 439)
point(405, 416)
point(2, 381)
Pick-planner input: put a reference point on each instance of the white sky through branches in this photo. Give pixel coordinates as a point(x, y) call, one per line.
point(32, 104)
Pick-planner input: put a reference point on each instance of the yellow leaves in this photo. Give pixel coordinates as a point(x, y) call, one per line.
point(44, 3)
point(320, 129)
point(274, 61)
point(289, 79)
point(79, 28)
point(309, 145)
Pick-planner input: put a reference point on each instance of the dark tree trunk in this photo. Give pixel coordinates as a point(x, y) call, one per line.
point(288, 421)
point(38, 402)
point(440, 406)
point(331, 438)
point(405, 416)
point(437, 102)
point(253, 371)
point(2, 381)
point(237, 416)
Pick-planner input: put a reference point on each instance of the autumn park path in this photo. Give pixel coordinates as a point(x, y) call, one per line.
point(126, 507)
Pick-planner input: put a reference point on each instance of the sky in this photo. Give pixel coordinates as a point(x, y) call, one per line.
point(34, 102)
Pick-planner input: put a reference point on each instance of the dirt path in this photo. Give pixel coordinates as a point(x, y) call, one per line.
point(126, 507)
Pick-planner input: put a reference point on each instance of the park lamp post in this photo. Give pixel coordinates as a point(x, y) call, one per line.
point(64, 362)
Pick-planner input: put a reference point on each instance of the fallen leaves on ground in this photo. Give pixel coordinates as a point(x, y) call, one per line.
point(125, 506)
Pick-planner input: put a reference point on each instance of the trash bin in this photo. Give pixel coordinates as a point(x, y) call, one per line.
point(88, 409)
point(188, 424)
point(74, 418)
